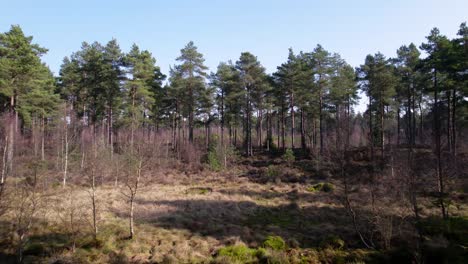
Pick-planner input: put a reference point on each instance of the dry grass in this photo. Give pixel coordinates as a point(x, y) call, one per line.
point(188, 219)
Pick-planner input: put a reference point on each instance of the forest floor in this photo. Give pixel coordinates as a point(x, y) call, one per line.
point(189, 217)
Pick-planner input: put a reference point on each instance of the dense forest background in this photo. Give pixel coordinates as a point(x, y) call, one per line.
point(80, 150)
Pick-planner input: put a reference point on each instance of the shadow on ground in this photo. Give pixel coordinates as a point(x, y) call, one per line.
point(227, 220)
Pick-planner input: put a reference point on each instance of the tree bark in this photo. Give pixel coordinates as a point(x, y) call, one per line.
point(441, 185)
point(65, 166)
point(303, 139)
point(292, 119)
point(42, 138)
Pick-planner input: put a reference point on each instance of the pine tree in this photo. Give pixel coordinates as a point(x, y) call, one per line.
point(343, 94)
point(253, 82)
point(226, 81)
point(114, 75)
point(20, 67)
point(140, 85)
point(321, 64)
point(39, 104)
point(377, 79)
point(287, 76)
point(437, 48)
point(192, 72)
point(408, 88)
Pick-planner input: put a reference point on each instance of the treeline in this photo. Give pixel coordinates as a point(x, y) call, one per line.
point(307, 103)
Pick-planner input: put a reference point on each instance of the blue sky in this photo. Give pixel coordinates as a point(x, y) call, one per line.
point(224, 29)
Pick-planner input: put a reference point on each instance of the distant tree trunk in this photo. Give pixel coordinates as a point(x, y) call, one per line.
point(454, 127)
point(207, 140)
point(11, 136)
point(278, 129)
point(303, 139)
point(110, 131)
point(398, 126)
point(235, 136)
point(249, 131)
point(348, 122)
point(283, 130)
point(259, 133)
point(65, 166)
point(132, 132)
point(269, 130)
point(222, 119)
point(230, 134)
point(449, 122)
point(382, 126)
point(338, 128)
point(371, 131)
point(421, 140)
point(292, 120)
point(321, 121)
point(413, 101)
point(441, 186)
point(314, 134)
point(174, 130)
point(247, 128)
point(42, 138)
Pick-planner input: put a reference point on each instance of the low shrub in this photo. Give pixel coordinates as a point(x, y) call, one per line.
point(288, 156)
point(238, 252)
point(333, 242)
point(213, 161)
point(272, 171)
point(275, 243)
point(276, 257)
point(321, 187)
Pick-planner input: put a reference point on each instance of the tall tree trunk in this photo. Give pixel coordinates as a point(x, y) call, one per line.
point(371, 130)
point(235, 136)
point(348, 122)
point(413, 101)
point(398, 125)
point(249, 130)
point(292, 120)
point(132, 132)
point(278, 129)
point(454, 127)
point(441, 185)
point(449, 122)
point(321, 121)
point(269, 132)
point(283, 129)
point(222, 119)
point(259, 127)
point(42, 138)
point(421, 140)
point(11, 136)
point(303, 139)
point(382, 127)
point(110, 131)
point(338, 128)
point(65, 155)
point(65, 166)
